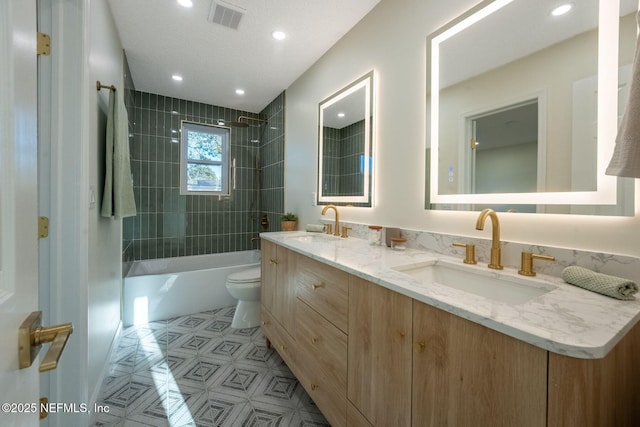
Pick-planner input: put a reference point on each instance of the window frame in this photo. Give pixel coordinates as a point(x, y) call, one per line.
point(225, 162)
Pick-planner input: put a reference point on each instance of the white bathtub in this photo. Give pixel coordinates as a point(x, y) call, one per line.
point(169, 287)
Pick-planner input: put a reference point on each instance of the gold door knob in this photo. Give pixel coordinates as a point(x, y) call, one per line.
point(32, 335)
point(400, 335)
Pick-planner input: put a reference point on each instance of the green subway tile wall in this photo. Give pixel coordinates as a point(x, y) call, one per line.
point(169, 224)
point(343, 154)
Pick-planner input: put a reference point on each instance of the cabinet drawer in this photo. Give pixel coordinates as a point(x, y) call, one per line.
point(324, 288)
point(280, 340)
point(320, 341)
point(322, 354)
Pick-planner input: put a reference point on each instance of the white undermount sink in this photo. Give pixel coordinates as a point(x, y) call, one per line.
point(314, 238)
point(490, 284)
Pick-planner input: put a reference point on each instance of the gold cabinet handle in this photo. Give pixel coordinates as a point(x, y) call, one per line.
point(419, 347)
point(265, 322)
point(273, 261)
point(314, 340)
point(314, 287)
point(282, 347)
point(400, 335)
point(32, 335)
point(314, 387)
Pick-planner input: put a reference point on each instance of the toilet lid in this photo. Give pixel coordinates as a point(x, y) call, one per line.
point(244, 276)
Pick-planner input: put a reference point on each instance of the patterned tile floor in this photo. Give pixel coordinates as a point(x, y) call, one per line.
point(196, 370)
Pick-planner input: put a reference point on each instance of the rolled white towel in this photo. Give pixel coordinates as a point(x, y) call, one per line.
point(612, 286)
point(315, 228)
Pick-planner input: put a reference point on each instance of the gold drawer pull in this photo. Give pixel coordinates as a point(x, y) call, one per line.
point(400, 335)
point(314, 387)
point(321, 285)
point(265, 322)
point(419, 347)
point(273, 261)
point(314, 340)
point(282, 347)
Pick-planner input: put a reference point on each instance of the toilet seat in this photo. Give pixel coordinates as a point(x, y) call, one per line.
point(245, 276)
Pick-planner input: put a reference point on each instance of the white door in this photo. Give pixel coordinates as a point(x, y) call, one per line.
point(18, 206)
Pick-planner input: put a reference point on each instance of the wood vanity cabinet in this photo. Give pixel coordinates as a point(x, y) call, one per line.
point(321, 325)
point(278, 286)
point(468, 375)
point(370, 357)
point(413, 364)
point(277, 296)
point(380, 335)
point(597, 392)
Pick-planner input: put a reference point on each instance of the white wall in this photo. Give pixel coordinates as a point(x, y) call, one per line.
point(85, 250)
point(391, 39)
point(105, 234)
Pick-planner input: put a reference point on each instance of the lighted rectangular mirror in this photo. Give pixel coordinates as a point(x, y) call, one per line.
point(523, 106)
point(345, 145)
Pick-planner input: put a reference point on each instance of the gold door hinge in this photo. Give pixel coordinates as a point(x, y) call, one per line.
point(44, 44)
point(43, 227)
point(43, 404)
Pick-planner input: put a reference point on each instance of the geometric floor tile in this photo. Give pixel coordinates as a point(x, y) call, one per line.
point(196, 370)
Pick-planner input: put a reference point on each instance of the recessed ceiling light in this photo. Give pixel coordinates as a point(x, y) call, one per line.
point(239, 91)
point(278, 35)
point(177, 77)
point(185, 3)
point(340, 115)
point(562, 9)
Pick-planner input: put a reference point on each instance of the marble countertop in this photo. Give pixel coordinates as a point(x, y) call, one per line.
point(566, 320)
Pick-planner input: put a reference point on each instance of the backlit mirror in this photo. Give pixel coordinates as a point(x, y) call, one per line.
point(345, 173)
point(523, 105)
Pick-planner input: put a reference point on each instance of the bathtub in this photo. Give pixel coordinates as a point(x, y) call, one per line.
point(164, 288)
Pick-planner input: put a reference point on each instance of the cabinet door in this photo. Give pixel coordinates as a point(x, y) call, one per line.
point(268, 274)
point(468, 375)
point(379, 374)
point(597, 392)
point(278, 286)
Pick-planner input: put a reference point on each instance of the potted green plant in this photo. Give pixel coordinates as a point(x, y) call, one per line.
point(289, 222)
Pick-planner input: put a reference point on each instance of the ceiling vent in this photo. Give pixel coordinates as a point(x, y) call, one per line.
point(225, 16)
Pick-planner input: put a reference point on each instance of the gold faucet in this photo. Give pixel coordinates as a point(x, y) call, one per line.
point(336, 227)
point(495, 236)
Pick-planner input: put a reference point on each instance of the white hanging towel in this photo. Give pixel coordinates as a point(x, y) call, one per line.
point(117, 199)
point(626, 154)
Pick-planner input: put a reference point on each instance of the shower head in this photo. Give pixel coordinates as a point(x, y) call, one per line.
point(241, 124)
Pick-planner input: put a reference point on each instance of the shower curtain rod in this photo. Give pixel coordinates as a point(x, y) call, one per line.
point(101, 86)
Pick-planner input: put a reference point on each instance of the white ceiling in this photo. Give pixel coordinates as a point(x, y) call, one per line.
point(162, 38)
point(518, 29)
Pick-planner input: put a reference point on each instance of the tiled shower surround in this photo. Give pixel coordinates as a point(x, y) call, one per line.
point(169, 224)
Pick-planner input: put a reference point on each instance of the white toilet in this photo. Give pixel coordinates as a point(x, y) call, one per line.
point(245, 287)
